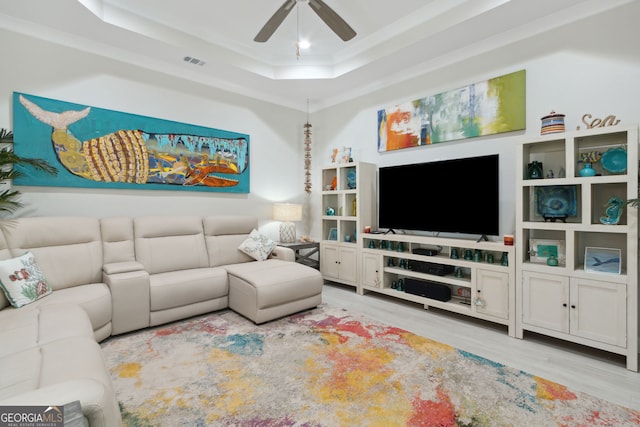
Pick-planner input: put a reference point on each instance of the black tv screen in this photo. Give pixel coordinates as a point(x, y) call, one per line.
point(453, 196)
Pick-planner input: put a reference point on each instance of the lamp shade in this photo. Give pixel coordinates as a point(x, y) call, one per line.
point(287, 212)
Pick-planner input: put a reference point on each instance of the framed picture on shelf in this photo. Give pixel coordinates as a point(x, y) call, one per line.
point(333, 234)
point(602, 260)
point(541, 249)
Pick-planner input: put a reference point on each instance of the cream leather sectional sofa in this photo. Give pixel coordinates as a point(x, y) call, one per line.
point(115, 275)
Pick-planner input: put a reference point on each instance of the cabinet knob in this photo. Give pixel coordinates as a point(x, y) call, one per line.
point(564, 305)
point(573, 306)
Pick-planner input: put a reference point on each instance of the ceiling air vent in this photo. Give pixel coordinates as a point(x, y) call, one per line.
point(193, 60)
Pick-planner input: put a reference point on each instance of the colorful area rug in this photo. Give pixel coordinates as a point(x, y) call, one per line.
point(329, 367)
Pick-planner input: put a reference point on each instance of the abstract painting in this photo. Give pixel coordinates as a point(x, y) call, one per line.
point(485, 108)
point(98, 148)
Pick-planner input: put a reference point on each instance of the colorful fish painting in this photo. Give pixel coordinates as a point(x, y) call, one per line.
point(103, 148)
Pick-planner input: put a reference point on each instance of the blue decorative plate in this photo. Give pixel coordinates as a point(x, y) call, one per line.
point(558, 201)
point(614, 160)
point(351, 179)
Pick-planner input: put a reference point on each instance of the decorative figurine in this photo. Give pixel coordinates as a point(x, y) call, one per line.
point(552, 260)
point(454, 253)
point(334, 155)
point(613, 211)
point(549, 174)
point(489, 258)
point(467, 255)
point(400, 285)
point(331, 211)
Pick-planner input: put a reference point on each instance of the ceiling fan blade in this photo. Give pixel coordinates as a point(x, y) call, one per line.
point(332, 19)
point(274, 22)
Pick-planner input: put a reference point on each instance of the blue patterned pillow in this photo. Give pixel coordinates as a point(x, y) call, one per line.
point(257, 245)
point(22, 280)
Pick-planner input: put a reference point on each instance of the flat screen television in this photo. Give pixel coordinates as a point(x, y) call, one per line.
point(453, 196)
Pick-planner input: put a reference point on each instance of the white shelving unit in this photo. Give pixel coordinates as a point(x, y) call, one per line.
point(349, 190)
point(486, 290)
point(593, 308)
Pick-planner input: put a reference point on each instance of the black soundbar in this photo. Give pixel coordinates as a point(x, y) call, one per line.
point(427, 289)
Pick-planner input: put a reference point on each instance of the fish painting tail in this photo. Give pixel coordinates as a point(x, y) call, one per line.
point(58, 121)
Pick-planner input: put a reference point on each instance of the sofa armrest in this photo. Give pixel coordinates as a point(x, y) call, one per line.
point(285, 254)
point(122, 267)
point(130, 297)
point(98, 402)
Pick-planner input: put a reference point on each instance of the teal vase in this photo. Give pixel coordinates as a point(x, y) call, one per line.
point(587, 170)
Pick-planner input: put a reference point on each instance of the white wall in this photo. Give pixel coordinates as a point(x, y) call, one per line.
point(589, 67)
point(276, 135)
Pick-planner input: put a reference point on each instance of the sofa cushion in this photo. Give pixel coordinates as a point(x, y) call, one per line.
point(51, 363)
point(68, 249)
point(34, 325)
point(179, 288)
point(257, 245)
point(117, 239)
point(94, 298)
point(167, 244)
point(224, 234)
point(22, 280)
point(277, 282)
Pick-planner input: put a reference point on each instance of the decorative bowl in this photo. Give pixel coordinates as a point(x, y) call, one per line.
point(614, 160)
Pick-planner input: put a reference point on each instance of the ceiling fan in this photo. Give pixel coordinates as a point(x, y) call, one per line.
point(328, 15)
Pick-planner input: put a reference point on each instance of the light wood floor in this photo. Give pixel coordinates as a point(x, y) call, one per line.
point(600, 374)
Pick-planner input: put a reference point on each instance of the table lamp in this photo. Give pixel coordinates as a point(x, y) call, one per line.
point(287, 212)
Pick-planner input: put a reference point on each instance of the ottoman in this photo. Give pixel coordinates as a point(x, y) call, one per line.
point(267, 290)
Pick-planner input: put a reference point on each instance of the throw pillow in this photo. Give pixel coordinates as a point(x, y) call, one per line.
point(257, 245)
point(22, 280)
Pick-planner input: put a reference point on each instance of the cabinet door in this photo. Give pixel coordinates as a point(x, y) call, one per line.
point(492, 293)
point(598, 311)
point(371, 270)
point(545, 301)
point(329, 261)
point(348, 265)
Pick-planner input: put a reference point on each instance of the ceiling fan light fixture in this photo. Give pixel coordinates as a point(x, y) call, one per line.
point(324, 12)
point(304, 44)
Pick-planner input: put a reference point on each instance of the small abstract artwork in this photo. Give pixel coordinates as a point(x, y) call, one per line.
point(485, 108)
point(98, 148)
point(602, 260)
